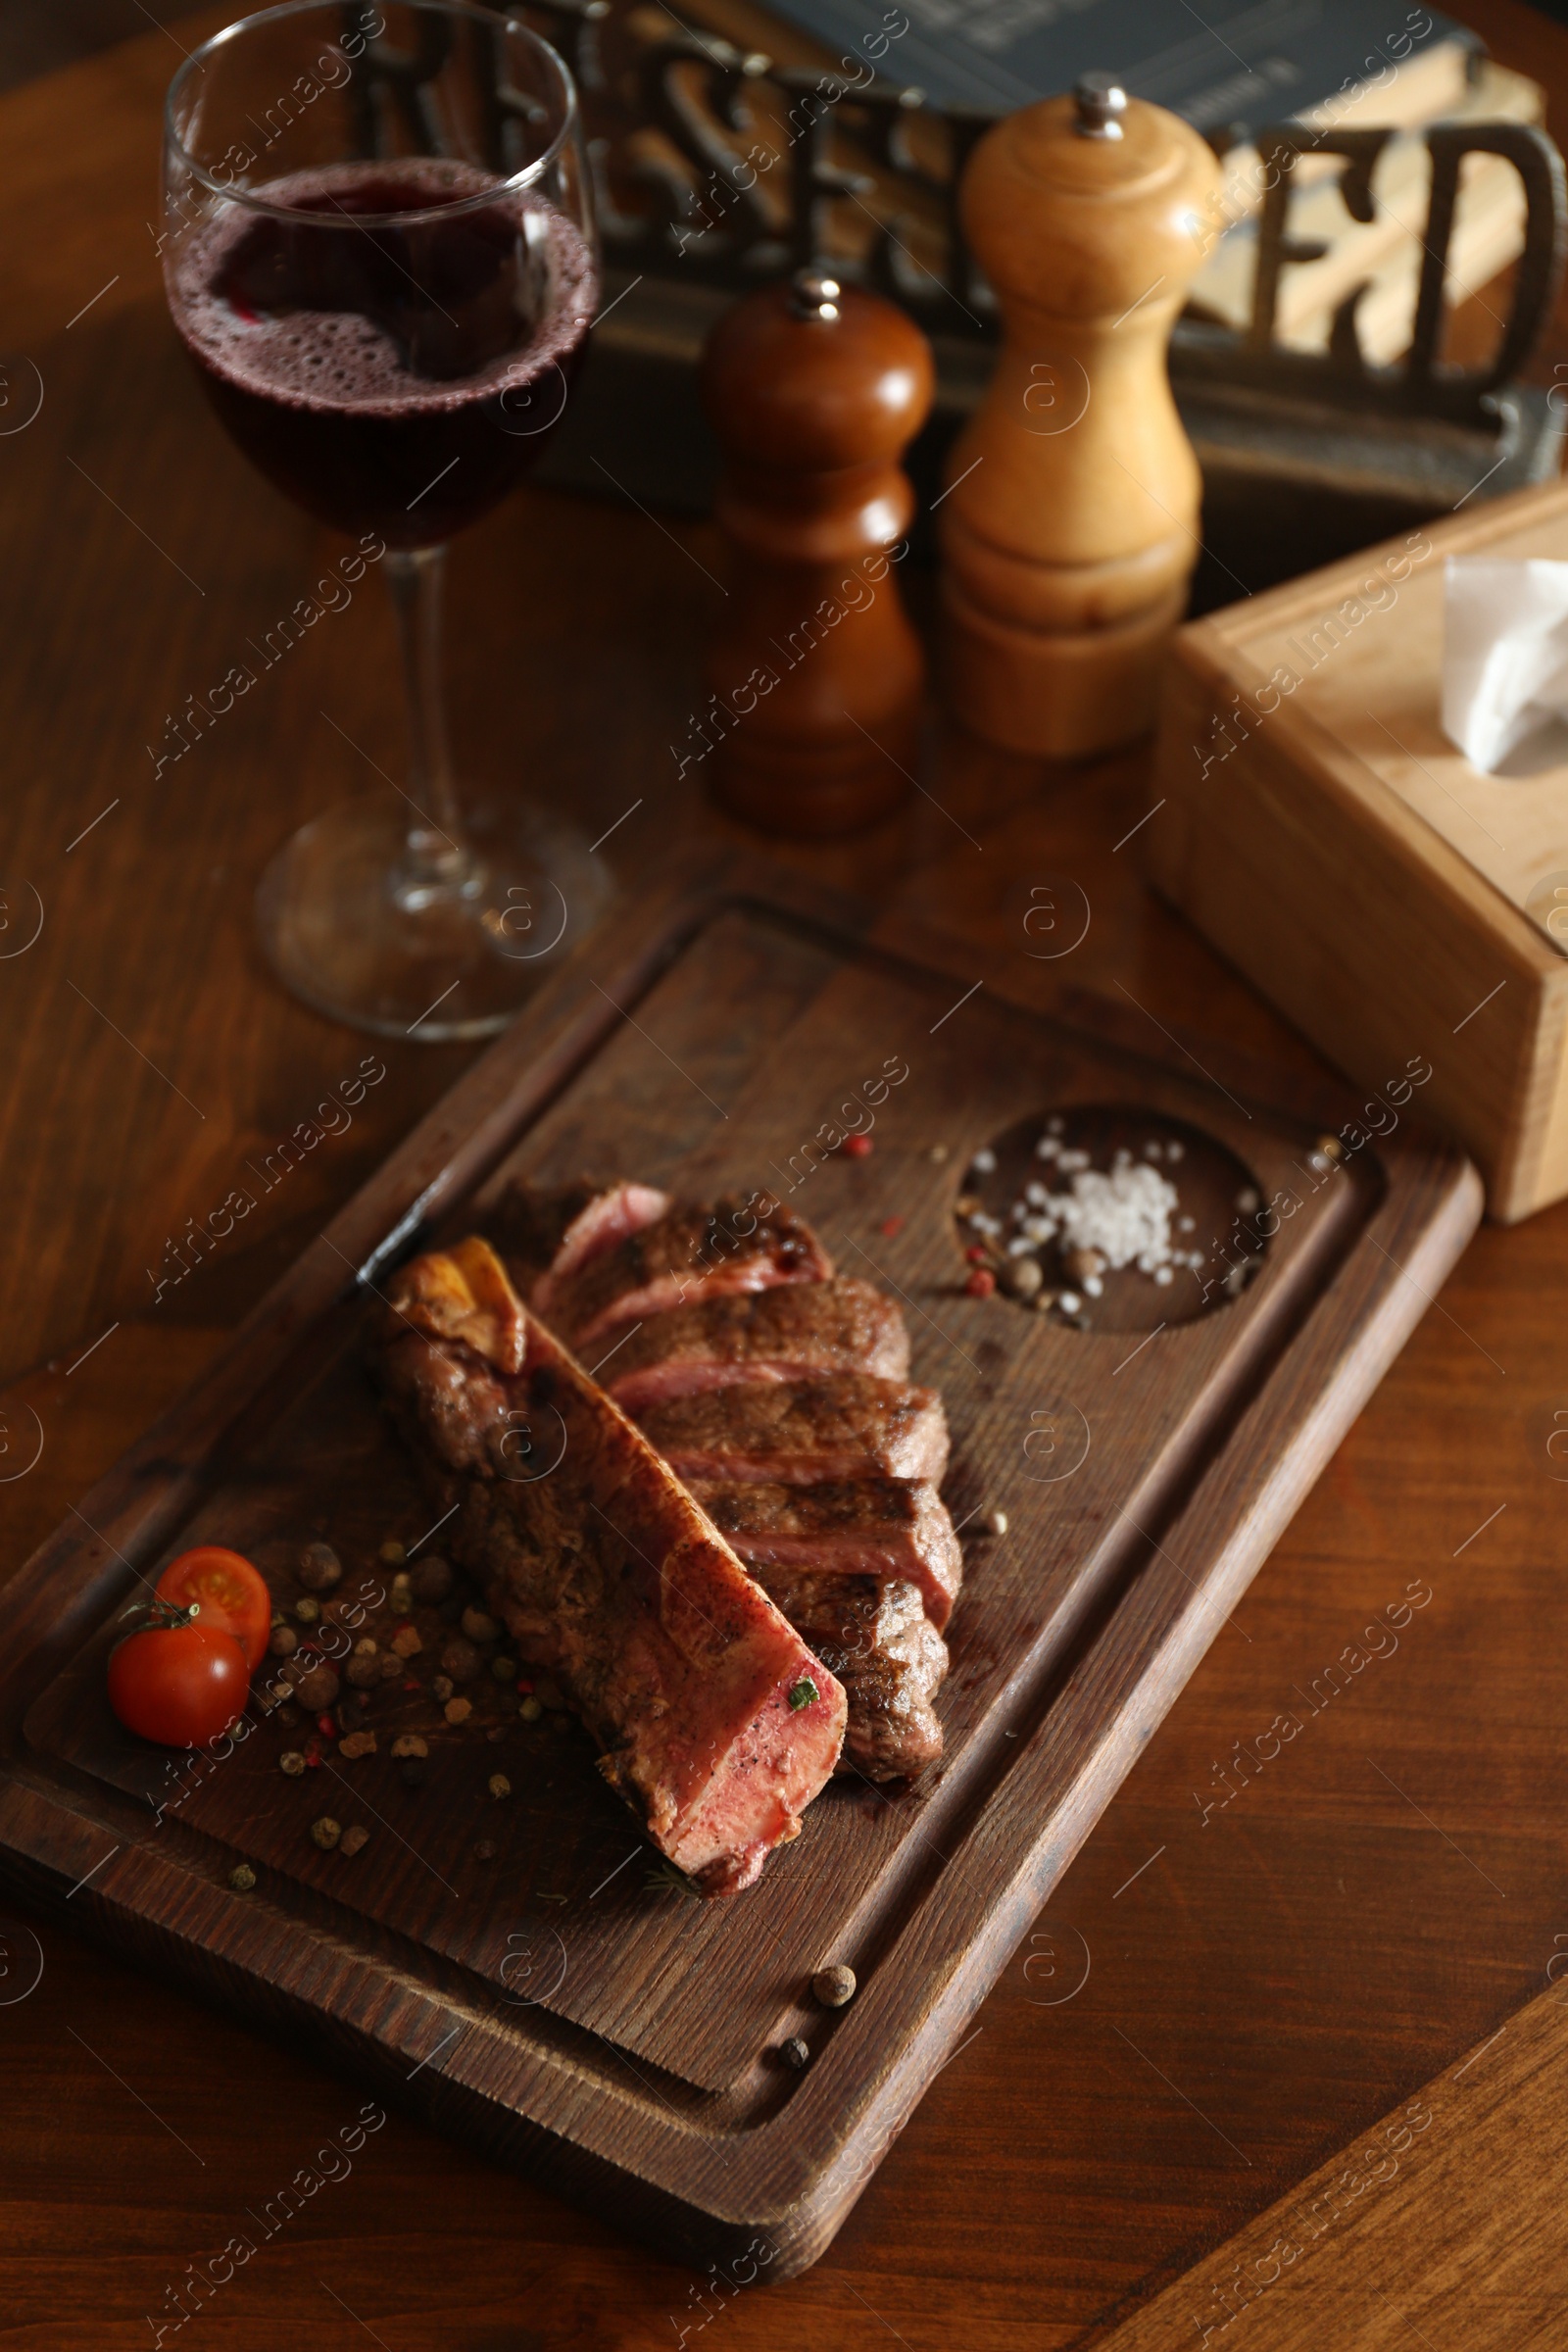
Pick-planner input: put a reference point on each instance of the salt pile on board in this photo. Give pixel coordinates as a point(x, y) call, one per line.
point(1124, 1215)
point(1102, 1221)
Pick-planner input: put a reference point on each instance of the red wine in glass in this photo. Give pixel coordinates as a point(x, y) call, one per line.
point(385, 280)
point(394, 380)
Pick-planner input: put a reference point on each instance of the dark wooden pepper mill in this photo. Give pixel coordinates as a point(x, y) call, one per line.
point(815, 390)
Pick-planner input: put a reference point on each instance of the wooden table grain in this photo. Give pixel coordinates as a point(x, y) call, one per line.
point(1280, 1965)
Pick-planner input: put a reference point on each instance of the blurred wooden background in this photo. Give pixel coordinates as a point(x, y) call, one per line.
point(1264, 1987)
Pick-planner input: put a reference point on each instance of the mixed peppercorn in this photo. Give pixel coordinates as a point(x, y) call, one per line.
point(390, 1663)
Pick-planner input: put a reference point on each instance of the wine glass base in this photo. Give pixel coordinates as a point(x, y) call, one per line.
point(458, 967)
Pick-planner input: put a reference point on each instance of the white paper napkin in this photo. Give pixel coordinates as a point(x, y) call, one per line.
point(1505, 654)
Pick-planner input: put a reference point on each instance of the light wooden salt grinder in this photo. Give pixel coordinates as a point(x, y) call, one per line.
point(1072, 523)
point(815, 390)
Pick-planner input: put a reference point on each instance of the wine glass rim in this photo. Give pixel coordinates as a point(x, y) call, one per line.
point(407, 216)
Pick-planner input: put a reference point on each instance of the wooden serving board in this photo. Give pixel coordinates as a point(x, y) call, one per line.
point(556, 2001)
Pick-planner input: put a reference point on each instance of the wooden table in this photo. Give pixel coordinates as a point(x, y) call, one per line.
point(1266, 1984)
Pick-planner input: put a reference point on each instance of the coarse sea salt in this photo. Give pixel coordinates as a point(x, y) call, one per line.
point(1124, 1215)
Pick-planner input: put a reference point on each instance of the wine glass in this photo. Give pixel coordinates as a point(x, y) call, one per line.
point(379, 251)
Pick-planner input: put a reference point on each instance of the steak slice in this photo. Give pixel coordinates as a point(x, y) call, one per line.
point(878, 1642)
point(542, 1232)
point(602, 1223)
point(886, 1527)
point(692, 1253)
point(800, 1432)
point(529, 1222)
point(793, 1330)
point(717, 1722)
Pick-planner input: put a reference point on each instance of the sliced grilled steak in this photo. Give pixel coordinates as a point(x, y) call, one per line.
point(543, 1233)
point(799, 1432)
point(886, 1527)
point(690, 1253)
point(718, 1725)
point(788, 1333)
point(601, 1224)
point(877, 1641)
point(824, 1483)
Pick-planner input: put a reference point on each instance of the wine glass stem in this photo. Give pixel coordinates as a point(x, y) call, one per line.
point(437, 862)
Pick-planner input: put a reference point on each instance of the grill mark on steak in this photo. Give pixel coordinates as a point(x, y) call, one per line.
point(878, 1642)
point(693, 1253)
point(611, 1576)
point(849, 1425)
point(792, 1331)
point(886, 1527)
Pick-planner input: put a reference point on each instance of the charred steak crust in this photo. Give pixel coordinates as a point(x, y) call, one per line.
point(879, 1642)
point(887, 1527)
point(689, 1253)
point(718, 1724)
point(793, 1329)
point(849, 1425)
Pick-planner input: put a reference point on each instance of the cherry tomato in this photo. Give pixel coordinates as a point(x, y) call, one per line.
point(181, 1683)
point(234, 1595)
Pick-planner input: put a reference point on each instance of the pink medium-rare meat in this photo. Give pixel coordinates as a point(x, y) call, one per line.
point(608, 1218)
point(718, 1726)
point(793, 1331)
point(890, 1528)
point(691, 1254)
point(849, 1425)
point(717, 1722)
point(866, 1567)
point(537, 1230)
point(877, 1641)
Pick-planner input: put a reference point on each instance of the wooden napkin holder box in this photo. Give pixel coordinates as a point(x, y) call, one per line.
point(1396, 904)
